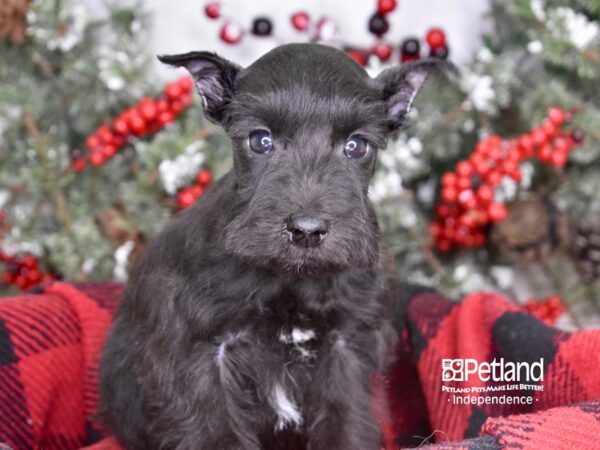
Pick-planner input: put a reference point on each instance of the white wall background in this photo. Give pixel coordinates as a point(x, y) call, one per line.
point(181, 26)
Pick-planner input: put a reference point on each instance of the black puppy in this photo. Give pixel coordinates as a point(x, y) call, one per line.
point(257, 318)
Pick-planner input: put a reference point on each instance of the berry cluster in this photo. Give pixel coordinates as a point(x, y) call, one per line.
point(232, 33)
point(23, 271)
point(467, 204)
point(378, 23)
point(188, 195)
point(324, 29)
point(262, 26)
point(148, 116)
point(410, 49)
point(547, 310)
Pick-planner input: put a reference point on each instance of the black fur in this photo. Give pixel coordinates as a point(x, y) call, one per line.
point(201, 353)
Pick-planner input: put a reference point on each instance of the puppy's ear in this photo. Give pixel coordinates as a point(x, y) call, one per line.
point(401, 84)
point(214, 77)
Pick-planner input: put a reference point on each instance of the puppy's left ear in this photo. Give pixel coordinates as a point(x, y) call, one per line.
point(214, 77)
point(401, 84)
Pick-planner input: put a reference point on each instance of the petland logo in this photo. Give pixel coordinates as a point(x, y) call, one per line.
point(497, 370)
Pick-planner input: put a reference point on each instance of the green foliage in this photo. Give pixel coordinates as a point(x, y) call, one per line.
point(72, 75)
point(538, 54)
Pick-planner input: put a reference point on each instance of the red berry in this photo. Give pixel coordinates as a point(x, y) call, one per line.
point(509, 166)
point(470, 202)
point(464, 196)
point(516, 174)
point(549, 128)
point(78, 164)
point(444, 245)
point(479, 239)
point(231, 33)
point(21, 282)
point(467, 220)
point(300, 21)
point(435, 229)
point(556, 116)
point(461, 235)
point(185, 198)
point(481, 167)
point(481, 149)
point(383, 51)
point(449, 232)
point(539, 137)
point(558, 159)
point(464, 168)
point(173, 91)
point(436, 38)
point(8, 278)
point(186, 83)
point(30, 262)
point(497, 212)
point(119, 141)
point(105, 135)
point(148, 109)
point(386, 6)
point(449, 179)
point(495, 153)
point(92, 142)
point(162, 105)
point(449, 194)
point(186, 100)
point(442, 211)
point(493, 178)
point(545, 153)
point(120, 126)
point(494, 139)
point(514, 154)
point(177, 107)
point(405, 57)
point(33, 276)
point(526, 145)
point(138, 125)
point(563, 145)
point(196, 191)
point(96, 159)
point(165, 117)
point(485, 194)
point(463, 183)
point(109, 151)
point(204, 177)
point(155, 126)
point(213, 10)
point(360, 57)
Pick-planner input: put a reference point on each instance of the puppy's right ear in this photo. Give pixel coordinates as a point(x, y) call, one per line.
point(214, 77)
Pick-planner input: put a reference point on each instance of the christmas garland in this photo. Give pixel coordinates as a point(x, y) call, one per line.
point(468, 205)
point(325, 30)
point(147, 116)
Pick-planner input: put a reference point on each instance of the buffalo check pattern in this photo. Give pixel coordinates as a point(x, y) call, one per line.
point(50, 343)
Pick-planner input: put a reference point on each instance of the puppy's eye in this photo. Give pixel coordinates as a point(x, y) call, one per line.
point(356, 147)
point(260, 141)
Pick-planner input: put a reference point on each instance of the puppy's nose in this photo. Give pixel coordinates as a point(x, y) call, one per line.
point(306, 231)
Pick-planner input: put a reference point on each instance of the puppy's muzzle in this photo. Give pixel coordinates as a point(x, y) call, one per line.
point(306, 231)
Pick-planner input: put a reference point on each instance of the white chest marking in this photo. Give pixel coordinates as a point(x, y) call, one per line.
point(297, 338)
point(286, 410)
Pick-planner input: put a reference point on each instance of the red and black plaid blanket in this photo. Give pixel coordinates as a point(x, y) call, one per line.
point(50, 344)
